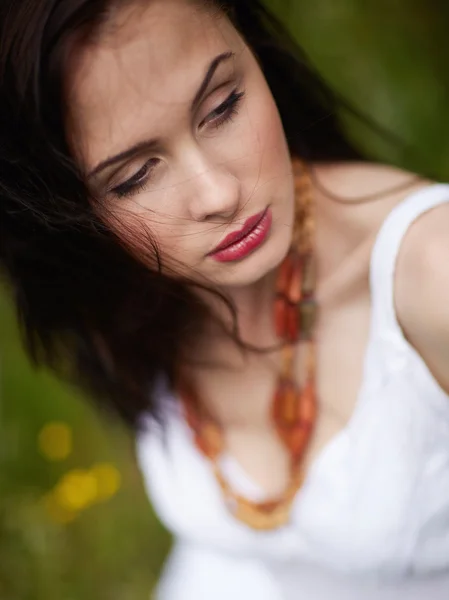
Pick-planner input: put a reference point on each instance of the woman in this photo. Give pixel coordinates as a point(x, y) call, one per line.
point(161, 250)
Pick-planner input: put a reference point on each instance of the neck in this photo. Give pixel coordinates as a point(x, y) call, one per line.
point(254, 311)
point(254, 305)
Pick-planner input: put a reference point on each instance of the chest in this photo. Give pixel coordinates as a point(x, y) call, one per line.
point(342, 339)
point(240, 400)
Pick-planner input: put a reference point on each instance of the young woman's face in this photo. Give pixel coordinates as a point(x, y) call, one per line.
point(178, 133)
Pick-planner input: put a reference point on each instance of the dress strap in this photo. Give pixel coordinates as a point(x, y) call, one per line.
point(386, 249)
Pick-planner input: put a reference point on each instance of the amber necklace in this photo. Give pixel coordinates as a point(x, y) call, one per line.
point(293, 409)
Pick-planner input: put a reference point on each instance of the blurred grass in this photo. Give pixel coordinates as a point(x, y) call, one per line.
point(387, 58)
point(109, 549)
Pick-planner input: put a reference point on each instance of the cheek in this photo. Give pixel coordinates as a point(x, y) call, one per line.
point(271, 133)
point(271, 163)
point(148, 234)
point(264, 133)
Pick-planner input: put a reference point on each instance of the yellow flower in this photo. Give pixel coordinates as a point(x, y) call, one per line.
point(108, 480)
point(55, 441)
point(76, 490)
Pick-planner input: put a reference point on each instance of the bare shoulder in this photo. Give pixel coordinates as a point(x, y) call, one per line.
point(357, 179)
point(422, 289)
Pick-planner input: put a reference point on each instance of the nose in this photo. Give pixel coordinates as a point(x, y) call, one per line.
point(213, 192)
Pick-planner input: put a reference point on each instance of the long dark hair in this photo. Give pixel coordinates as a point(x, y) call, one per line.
point(88, 309)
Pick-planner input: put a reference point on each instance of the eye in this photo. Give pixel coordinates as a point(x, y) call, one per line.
point(137, 182)
point(225, 111)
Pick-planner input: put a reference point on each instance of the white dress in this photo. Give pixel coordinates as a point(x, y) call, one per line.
point(371, 521)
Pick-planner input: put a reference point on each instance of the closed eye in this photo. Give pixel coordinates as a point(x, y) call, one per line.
point(137, 181)
point(225, 111)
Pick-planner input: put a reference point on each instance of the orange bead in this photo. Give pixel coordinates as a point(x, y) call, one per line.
point(210, 440)
point(294, 291)
point(289, 406)
point(307, 403)
point(288, 354)
point(285, 405)
point(298, 439)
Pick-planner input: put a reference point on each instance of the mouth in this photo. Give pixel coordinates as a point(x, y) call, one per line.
point(238, 244)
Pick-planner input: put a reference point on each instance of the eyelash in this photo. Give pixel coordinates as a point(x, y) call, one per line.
point(225, 112)
point(136, 183)
point(227, 109)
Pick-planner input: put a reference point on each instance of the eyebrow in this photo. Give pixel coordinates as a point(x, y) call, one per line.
point(152, 143)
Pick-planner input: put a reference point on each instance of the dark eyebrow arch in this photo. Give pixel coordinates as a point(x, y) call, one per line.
point(148, 144)
point(209, 74)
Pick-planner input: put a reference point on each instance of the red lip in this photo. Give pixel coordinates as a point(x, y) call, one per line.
point(238, 244)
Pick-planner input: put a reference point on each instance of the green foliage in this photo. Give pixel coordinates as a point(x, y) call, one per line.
point(388, 59)
point(109, 549)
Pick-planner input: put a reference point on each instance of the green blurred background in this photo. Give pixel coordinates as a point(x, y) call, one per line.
point(74, 520)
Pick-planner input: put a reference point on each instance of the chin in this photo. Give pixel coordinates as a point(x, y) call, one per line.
point(257, 265)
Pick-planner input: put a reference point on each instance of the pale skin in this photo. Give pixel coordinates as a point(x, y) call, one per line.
point(207, 175)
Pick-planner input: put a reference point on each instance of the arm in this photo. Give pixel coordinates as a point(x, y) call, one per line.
point(422, 290)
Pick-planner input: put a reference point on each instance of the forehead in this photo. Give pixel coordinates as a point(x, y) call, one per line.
point(139, 75)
